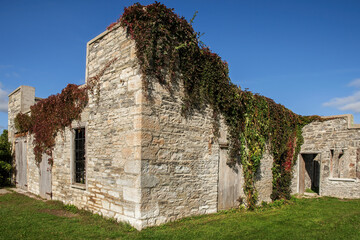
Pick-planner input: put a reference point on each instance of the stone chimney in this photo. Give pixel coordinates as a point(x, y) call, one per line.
point(20, 100)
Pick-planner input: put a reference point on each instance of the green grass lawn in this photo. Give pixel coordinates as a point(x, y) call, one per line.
point(22, 217)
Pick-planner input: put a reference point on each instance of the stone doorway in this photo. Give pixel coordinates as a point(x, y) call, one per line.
point(309, 172)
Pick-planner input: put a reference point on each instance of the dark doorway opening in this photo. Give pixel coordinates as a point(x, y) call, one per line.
point(309, 174)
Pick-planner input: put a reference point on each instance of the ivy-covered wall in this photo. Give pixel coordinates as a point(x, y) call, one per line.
point(113, 137)
point(166, 46)
point(153, 107)
point(147, 163)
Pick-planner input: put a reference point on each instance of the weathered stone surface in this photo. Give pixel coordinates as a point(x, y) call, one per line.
point(113, 162)
point(264, 178)
point(20, 100)
point(336, 145)
point(146, 163)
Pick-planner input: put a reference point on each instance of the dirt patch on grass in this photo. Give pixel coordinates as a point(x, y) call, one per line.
point(59, 213)
point(29, 194)
point(3, 191)
point(307, 195)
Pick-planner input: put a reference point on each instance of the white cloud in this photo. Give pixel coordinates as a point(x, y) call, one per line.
point(355, 83)
point(355, 107)
point(3, 100)
point(349, 103)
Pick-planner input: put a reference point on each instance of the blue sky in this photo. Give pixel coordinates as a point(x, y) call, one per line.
point(305, 54)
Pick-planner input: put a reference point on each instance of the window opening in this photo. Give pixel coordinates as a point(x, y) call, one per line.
point(80, 173)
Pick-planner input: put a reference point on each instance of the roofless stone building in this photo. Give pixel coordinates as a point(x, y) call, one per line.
point(138, 159)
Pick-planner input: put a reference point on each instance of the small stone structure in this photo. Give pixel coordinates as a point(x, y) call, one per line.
point(145, 163)
point(329, 161)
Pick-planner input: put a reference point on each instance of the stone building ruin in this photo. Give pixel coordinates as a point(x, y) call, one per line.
point(142, 162)
point(329, 161)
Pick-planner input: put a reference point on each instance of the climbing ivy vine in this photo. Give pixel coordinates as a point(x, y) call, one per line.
point(50, 115)
point(168, 47)
point(167, 44)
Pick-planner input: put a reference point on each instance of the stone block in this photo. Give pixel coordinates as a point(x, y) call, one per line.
point(149, 181)
point(149, 152)
point(132, 194)
point(134, 82)
point(133, 166)
point(116, 208)
point(137, 153)
point(146, 138)
point(132, 53)
point(114, 194)
point(129, 212)
point(126, 182)
point(139, 97)
point(137, 122)
point(127, 152)
point(150, 123)
point(105, 204)
point(137, 137)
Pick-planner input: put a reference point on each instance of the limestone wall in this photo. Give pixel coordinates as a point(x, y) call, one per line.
point(179, 159)
point(337, 145)
point(146, 163)
point(264, 178)
point(112, 138)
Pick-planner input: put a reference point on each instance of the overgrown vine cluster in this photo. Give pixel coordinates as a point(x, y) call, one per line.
point(50, 115)
point(167, 46)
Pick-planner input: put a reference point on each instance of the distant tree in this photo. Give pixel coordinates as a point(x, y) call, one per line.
point(5, 159)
